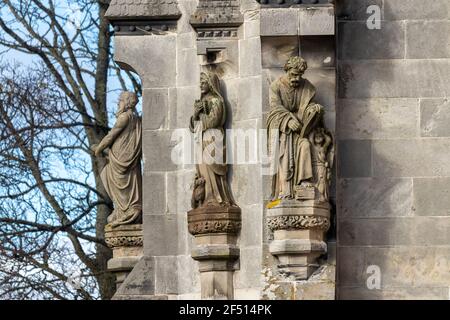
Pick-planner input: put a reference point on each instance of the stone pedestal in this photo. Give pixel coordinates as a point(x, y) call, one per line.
point(215, 230)
point(126, 242)
point(299, 229)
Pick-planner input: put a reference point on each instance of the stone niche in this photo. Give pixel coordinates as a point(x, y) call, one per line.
point(168, 43)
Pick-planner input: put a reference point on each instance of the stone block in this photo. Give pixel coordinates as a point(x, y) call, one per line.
point(428, 39)
point(157, 148)
point(155, 108)
point(188, 68)
point(246, 184)
point(394, 78)
point(252, 26)
point(166, 275)
point(160, 235)
point(434, 118)
point(318, 51)
point(409, 231)
point(316, 21)
point(252, 226)
point(250, 57)
point(189, 276)
point(154, 186)
point(140, 281)
point(378, 118)
point(432, 196)
point(186, 40)
point(411, 158)
point(351, 268)
point(355, 10)
point(153, 57)
point(397, 293)
point(181, 101)
point(354, 158)
point(277, 50)
point(416, 10)
point(375, 197)
point(179, 191)
point(279, 22)
point(325, 82)
point(356, 41)
point(249, 97)
point(249, 273)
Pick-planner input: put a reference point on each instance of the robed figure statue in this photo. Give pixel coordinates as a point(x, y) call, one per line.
point(122, 176)
point(210, 186)
point(292, 117)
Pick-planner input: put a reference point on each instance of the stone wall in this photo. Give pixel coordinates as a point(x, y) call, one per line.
point(394, 149)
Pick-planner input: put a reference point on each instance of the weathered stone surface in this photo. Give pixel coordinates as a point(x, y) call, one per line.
point(188, 69)
point(252, 226)
point(394, 79)
point(249, 273)
point(422, 45)
point(157, 70)
point(157, 147)
point(319, 51)
point(356, 41)
point(156, 229)
point(166, 269)
point(411, 158)
point(432, 196)
point(369, 197)
point(155, 109)
point(355, 10)
point(316, 21)
point(325, 82)
point(434, 117)
point(249, 97)
point(277, 50)
point(396, 293)
point(377, 118)
point(154, 190)
point(416, 10)
point(141, 280)
point(249, 58)
point(279, 22)
point(395, 231)
point(246, 179)
point(181, 101)
point(354, 158)
point(156, 9)
point(189, 276)
point(179, 190)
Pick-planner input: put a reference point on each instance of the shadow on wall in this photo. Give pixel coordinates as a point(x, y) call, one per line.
point(364, 113)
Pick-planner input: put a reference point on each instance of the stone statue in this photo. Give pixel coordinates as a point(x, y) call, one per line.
point(210, 186)
point(322, 160)
point(293, 117)
point(122, 176)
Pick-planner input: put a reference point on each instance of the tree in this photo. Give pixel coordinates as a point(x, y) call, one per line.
point(54, 207)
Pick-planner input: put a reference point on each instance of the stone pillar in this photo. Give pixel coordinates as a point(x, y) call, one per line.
point(215, 230)
point(126, 243)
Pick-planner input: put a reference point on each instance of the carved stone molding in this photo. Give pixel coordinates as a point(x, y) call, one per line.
point(298, 222)
point(217, 19)
point(144, 17)
point(124, 236)
point(288, 3)
point(207, 220)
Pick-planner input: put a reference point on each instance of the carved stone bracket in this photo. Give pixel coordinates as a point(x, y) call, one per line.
point(299, 229)
point(126, 241)
point(215, 229)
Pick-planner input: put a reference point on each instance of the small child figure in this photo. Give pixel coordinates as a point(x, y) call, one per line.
point(322, 160)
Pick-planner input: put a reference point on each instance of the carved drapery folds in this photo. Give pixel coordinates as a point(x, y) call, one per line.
point(122, 179)
point(299, 213)
point(215, 219)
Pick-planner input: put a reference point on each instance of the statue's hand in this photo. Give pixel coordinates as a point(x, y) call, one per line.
point(294, 125)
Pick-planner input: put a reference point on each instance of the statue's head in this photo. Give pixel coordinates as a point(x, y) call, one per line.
point(209, 83)
point(295, 67)
point(319, 136)
point(127, 100)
